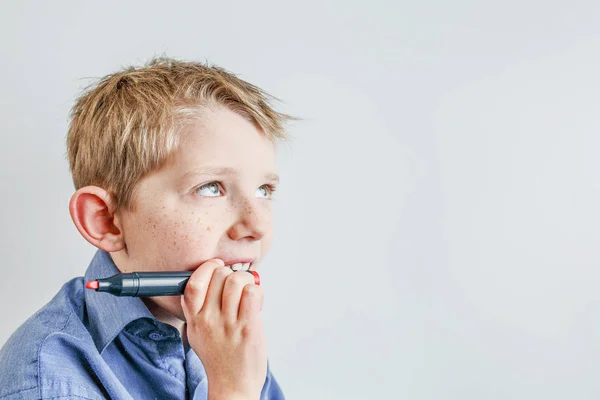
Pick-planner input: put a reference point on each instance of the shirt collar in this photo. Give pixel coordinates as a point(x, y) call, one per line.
point(109, 314)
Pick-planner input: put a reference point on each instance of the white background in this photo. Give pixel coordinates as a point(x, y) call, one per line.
point(437, 222)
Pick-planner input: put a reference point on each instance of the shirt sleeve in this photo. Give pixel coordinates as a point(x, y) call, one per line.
point(271, 389)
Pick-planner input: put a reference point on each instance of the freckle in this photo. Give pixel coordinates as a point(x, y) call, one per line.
point(193, 212)
point(154, 226)
point(208, 228)
point(174, 243)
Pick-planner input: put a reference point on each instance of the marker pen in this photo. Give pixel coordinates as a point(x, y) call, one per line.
point(147, 283)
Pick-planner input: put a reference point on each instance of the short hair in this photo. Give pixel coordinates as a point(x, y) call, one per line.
point(128, 123)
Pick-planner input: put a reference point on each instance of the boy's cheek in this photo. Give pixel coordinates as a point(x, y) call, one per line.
point(178, 239)
point(185, 250)
point(172, 232)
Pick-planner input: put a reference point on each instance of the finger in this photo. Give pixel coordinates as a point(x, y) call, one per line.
point(232, 293)
point(215, 289)
point(251, 302)
point(196, 287)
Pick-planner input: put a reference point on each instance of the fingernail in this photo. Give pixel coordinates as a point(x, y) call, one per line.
point(220, 262)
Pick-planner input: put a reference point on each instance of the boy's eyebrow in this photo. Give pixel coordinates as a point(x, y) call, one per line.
point(225, 171)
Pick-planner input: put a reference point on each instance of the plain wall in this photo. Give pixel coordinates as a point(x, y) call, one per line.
point(437, 222)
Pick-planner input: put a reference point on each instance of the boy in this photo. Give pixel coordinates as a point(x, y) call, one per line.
point(174, 169)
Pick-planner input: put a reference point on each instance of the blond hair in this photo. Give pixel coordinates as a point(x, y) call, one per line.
point(128, 123)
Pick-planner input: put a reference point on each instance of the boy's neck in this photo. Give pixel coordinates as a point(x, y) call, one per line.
point(158, 312)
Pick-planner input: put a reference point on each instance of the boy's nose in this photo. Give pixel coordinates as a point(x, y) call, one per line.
point(251, 222)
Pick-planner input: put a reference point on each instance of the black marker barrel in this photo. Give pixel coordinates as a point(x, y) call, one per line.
point(146, 284)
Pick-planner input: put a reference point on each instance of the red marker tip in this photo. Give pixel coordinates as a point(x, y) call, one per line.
point(256, 277)
point(92, 285)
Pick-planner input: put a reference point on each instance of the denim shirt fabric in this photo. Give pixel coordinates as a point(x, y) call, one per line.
point(85, 344)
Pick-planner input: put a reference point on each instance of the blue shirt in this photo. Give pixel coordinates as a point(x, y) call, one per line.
point(85, 344)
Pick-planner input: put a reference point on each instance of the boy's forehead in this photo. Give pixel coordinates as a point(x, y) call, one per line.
point(219, 138)
point(225, 145)
point(225, 161)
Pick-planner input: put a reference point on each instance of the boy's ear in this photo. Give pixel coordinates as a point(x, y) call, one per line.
point(92, 213)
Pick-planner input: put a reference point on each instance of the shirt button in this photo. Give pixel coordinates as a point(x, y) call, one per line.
point(155, 336)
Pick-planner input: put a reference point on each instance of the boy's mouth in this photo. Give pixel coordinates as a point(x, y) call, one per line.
point(240, 265)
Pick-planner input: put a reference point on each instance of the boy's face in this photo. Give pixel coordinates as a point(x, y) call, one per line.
point(193, 209)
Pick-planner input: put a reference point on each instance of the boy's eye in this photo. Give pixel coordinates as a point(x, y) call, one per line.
point(210, 189)
point(265, 191)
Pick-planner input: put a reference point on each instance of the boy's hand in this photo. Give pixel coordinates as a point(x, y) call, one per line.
point(222, 312)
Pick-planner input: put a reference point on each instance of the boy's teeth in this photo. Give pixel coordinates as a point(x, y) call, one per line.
point(236, 266)
point(240, 266)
